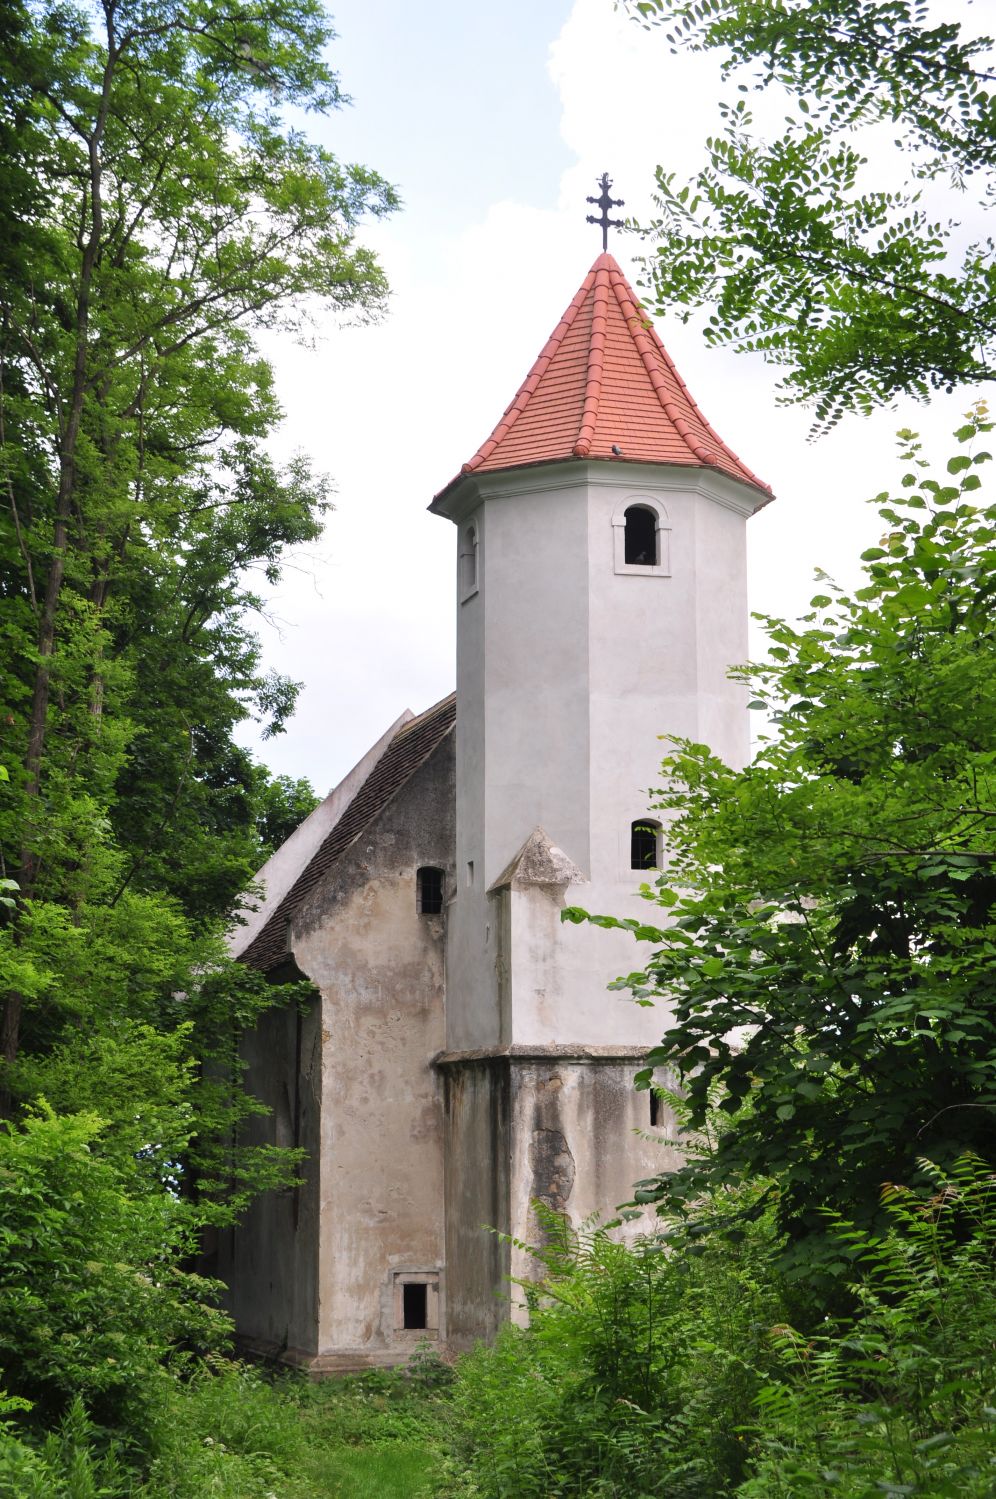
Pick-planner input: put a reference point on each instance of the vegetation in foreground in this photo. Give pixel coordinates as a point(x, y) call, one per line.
point(231, 1432)
point(671, 1368)
point(683, 1365)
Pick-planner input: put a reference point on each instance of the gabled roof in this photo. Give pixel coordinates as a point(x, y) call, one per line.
point(408, 749)
point(604, 380)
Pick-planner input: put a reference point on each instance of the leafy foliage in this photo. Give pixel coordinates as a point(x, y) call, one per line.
point(637, 1372)
point(161, 206)
point(900, 1399)
point(725, 1396)
point(229, 1432)
point(282, 804)
point(93, 1303)
point(160, 209)
point(828, 953)
point(860, 291)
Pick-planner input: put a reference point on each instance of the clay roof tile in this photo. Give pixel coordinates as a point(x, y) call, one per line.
point(602, 379)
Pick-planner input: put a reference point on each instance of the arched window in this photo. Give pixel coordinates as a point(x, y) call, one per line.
point(429, 891)
point(468, 562)
point(641, 537)
point(645, 844)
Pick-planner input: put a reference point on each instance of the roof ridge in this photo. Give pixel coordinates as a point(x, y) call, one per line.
point(520, 400)
point(633, 314)
point(596, 363)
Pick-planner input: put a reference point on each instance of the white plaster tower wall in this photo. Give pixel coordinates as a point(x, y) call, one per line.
point(568, 671)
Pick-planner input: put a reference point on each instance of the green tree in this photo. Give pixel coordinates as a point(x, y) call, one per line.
point(829, 958)
point(161, 208)
point(861, 290)
point(92, 1299)
point(282, 804)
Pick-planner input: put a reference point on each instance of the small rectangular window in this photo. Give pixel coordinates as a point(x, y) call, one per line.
point(415, 1305)
point(655, 1109)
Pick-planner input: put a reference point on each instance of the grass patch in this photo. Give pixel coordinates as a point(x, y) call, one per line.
point(232, 1432)
point(397, 1470)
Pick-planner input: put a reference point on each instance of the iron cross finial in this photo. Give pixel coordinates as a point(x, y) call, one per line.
point(604, 202)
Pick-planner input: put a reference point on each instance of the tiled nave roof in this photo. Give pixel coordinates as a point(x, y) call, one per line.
point(410, 747)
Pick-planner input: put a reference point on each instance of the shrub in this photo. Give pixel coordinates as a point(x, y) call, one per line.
point(92, 1300)
point(899, 1399)
point(638, 1368)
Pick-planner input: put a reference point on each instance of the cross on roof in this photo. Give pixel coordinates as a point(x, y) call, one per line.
point(604, 202)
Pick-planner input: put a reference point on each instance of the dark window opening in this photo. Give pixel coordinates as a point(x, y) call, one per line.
point(655, 1109)
point(643, 845)
point(641, 537)
point(429, 892)
point(415, 1305)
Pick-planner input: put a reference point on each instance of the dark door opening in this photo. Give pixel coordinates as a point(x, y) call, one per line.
point(414, 1305)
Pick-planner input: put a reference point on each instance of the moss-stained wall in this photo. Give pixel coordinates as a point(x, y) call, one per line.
point(270, 1262)
point(477, 1198)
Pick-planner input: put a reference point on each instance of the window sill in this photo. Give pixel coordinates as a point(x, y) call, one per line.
point(637, 569)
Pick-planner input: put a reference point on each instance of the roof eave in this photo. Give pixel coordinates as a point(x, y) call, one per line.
point(467, 489)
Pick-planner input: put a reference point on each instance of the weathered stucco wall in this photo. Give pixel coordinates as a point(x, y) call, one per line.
point(549, 1125)
point(379, 965)
point(271, 1261)
point(581, 1136)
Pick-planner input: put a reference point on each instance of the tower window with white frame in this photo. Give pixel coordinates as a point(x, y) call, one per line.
point(641, 538)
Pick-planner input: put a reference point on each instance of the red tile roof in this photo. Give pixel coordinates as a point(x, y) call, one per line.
point(410, 748)
point(605, 379)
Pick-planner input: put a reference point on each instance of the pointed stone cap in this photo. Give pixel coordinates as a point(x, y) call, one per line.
point(539, 863)
point(604, 386)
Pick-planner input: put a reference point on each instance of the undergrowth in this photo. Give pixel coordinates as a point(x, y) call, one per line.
point(670, 1368)
point(667, 1367)
point(230, 1432)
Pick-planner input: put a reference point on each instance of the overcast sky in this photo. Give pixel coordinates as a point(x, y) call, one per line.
point(494, 123)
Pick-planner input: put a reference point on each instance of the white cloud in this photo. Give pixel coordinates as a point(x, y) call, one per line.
point(393, 411)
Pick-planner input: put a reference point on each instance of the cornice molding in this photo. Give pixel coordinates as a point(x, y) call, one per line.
point(579, 1055)
point(674, 478)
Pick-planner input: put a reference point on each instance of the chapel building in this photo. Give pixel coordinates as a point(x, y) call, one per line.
point(464, 1058)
